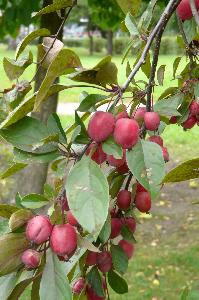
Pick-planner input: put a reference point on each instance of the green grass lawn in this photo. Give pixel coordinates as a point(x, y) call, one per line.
point(88, 61)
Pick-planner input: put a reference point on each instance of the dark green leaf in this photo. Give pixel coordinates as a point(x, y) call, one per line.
point(111, 148)
point(119, 258)
point(185, 294)
point(54, 274)
point(87, 193)
point(168, 92)
point(117, 283)
point(185, 171)
point(95, 280)
point(4, 226)
point(146, 17)
point(90, 101)
point(146, 163)
point(34, 201)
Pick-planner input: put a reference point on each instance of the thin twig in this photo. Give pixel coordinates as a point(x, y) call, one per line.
point(128, 181)
point(194, 11)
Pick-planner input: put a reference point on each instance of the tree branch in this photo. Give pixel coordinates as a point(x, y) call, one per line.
point(194, 11)
point(153, 69)
point(170, 8)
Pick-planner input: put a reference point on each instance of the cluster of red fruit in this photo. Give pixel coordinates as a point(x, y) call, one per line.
point(193, 118)
point(184, 9)
point(103, 260)
point(125, 131)
point(39, 231)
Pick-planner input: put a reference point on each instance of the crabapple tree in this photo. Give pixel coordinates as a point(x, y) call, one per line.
point(107, 168)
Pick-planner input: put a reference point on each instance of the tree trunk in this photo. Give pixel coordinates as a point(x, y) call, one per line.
point(110, 42)
point(32, 179)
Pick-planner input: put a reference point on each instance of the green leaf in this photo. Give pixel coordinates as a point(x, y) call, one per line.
point(19, 218)
point(12, 245)
point(190, 29)
point(106, 231)
point(111, 148)
point(196, 92)
point(58, 287)
point(4, 226)
point(115, 185)
point(34, 201)
point(131, 6)
point(117, 283)
point(175, 65)
point(57, 5)
point(7, 284)
point(65, 59)
point(185, 171)
point(185, 294)
point(168, 107)
point(88, 194)
point(54, 126)
point(27, 135)
point(168, 92)
point(119, 258)
point(90, 101)
point(29, 38)
point(17, 94)
point(14, 69)
point(146, 163)
point(131, 25)
point(27, 157)
point(147, 16)
point(7, 210)
point(105, 72)
point(19, 112)
point(16, 167)
point(146, 67)
point(95, 280)
point(20, 288)
point(127, 234)
point(160, 74)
